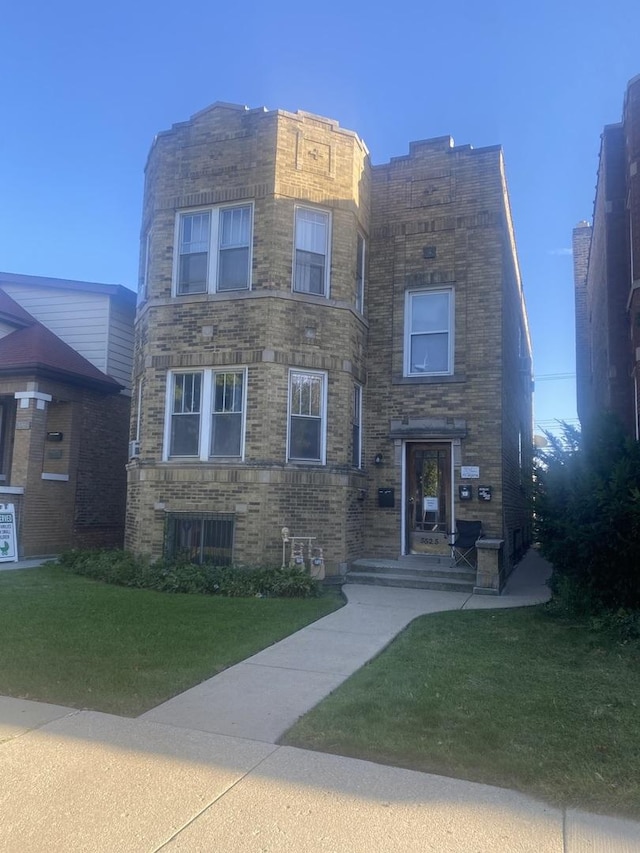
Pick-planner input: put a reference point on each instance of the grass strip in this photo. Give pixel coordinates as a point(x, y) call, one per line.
point(77, 642)
point(511, 698)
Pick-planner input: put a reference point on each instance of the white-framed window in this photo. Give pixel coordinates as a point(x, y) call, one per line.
point(227, 413)
point(213, 251)
point(428, 339)
point(356, 427)
point(307, 421)
point(361, 249)
point(206, 412)
point(143, 289)
point(311, 251)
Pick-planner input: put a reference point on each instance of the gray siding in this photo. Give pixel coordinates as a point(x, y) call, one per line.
point(120, 346)
point(78, 318)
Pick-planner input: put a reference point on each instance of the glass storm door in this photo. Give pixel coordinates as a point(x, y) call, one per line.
point(428, 498)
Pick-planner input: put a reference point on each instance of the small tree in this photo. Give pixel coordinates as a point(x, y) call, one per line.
point(588, 514)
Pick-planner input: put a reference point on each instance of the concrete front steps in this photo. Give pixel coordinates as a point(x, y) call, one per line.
point(415, 571)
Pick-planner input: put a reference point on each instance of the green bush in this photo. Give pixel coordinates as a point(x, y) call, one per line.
point(587, 509)
point(125, 569)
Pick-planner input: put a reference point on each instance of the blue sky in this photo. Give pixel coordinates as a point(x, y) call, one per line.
point(84, 88)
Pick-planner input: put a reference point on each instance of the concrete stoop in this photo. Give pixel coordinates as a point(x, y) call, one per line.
point(413, 572)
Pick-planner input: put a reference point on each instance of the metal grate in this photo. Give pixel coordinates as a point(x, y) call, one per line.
point(200, 537)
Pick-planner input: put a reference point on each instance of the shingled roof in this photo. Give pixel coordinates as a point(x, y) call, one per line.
point(32, 348)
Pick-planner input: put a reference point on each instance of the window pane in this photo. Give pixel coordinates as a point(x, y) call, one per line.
point(226, 435)
point(309, 274)
point(311, 231)
point(195, 232)
point(429, 353)
point(217, 541)
point(306, 394)
point(192, 273)
point(186, 392)
point(185, 431)
point(228, 392)
point(430, 312)
point(355, 457)
point(305, 438)
point(233, 273)
point(235, 227)
point(187, 538)
point(356, 427)
point(194, 249)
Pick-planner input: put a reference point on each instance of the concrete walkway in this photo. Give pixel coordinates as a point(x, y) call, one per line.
point(202, 772)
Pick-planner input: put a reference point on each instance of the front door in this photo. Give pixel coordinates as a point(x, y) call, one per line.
point(428, 498)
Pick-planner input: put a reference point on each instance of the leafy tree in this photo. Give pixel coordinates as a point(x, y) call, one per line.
point(587, 507)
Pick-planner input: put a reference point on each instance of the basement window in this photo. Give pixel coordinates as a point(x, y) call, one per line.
point(202, 538)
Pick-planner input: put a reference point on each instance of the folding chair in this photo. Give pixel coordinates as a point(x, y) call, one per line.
point(464, 542)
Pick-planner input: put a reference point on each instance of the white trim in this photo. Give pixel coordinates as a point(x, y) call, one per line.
point(327, 255)
point(11, 490)
point(213, 249)
point(323, 417)
point(407, 331)
point(243, 420)
point(33, 395)
point(206, 413)
point(139, 408)
point(63, 478)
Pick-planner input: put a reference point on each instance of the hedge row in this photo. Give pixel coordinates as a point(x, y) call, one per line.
point(125, 569)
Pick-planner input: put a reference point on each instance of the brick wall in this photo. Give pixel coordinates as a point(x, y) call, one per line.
point(607, 285)
point(273, 160)
point(74, 489)
point(581, 242)
point(450, 199)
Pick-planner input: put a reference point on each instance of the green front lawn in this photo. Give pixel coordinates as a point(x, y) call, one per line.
point(512, 698)
point(77, 642)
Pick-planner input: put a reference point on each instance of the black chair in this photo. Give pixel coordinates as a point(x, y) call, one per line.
point(464, 541)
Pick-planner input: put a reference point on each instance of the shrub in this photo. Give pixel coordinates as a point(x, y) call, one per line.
point(125, 569)
point(588, 517)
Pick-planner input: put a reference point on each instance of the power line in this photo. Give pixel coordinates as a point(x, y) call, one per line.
point(549, 377)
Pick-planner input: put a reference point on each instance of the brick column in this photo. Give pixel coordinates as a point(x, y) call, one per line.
point(489, 570)
point(28, 443)
point(28, 454)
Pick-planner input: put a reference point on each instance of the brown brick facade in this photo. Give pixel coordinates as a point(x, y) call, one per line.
point(434, 222)
point(64, 422)
point(68, 493)
point(607, 300)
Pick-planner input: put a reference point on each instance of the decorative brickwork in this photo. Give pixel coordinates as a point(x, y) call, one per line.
point(434, 222)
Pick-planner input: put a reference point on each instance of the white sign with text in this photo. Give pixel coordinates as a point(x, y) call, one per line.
point(469, 472)
point(8, 547)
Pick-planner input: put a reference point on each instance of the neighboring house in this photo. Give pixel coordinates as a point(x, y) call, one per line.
point(607, 278)
point(325, 345)
point(65, 365)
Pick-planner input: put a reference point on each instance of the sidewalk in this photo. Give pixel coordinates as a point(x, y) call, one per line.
point(202, 772)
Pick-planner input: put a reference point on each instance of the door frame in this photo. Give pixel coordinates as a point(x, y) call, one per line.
point(405, 545)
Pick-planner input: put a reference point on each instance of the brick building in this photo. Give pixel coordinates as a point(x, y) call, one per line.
point(325, 345)
point(607, 277)
point(65, 363)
